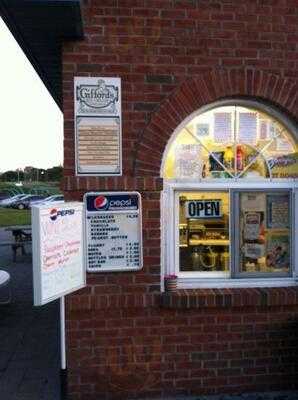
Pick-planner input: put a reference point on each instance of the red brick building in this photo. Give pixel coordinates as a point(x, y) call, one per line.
point(222, 68)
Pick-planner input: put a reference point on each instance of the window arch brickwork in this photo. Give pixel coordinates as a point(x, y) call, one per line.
point(197, 92)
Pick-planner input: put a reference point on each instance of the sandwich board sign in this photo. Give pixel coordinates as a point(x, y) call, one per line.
point(58, 251)
point(113, 231)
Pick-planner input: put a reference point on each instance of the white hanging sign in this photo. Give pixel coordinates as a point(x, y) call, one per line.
point(58, 254)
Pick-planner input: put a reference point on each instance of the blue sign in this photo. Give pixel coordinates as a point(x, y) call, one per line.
point(113, 231)
point(112, 202)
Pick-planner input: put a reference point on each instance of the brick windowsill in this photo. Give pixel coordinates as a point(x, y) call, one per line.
point(227, 298)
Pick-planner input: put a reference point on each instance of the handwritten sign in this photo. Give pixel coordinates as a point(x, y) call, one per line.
point(113, 231)
point(58, 257)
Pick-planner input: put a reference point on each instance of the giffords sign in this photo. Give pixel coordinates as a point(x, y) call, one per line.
point(98, 96)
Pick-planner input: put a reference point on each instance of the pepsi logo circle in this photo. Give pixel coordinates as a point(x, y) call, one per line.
point(101, 203)
point(53, 214)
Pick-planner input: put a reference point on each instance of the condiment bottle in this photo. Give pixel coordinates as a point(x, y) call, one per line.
point(228, 158)
point(239, 158)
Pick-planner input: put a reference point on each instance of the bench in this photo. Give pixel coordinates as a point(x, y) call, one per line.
point(15, 245)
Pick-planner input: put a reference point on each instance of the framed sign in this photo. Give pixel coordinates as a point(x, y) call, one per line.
point(98, 126)
point(113, 231)
point(58, 254)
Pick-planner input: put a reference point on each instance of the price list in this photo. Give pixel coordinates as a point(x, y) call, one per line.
point(113, 241)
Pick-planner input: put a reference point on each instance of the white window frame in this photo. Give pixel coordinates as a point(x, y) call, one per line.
point(170, 234)
point(169, 215)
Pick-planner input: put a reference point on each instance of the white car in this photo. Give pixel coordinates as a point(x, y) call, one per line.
point(10, 200)
point(56, 198)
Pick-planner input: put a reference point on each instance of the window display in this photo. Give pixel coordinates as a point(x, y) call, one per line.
point(233, 142)
point(265, 234)
point(230, 187)
point(204, 231)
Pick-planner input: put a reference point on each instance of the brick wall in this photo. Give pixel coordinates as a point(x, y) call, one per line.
point(174, 56)
point(200, 342)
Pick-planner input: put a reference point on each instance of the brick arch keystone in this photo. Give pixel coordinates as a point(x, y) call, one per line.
point(202, 90)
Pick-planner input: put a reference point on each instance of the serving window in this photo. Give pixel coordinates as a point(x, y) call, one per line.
point(229, 198)
point(204, 244)
point(261, 228)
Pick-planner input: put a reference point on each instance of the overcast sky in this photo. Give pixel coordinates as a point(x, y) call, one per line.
point(31, 130)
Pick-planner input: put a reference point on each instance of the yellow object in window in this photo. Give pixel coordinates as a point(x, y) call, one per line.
point(228, 157)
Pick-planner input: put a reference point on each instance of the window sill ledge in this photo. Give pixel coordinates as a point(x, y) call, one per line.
point(228, 298)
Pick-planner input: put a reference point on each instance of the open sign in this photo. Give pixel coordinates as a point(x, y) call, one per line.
point(203, 209)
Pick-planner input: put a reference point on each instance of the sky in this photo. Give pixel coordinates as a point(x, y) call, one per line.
point(31, 124)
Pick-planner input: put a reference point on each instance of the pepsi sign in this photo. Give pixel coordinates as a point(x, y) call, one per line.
point(112, 202)
point(54, 213)
point(113, 231)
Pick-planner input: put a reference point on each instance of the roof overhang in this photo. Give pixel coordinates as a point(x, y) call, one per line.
point(40, 27)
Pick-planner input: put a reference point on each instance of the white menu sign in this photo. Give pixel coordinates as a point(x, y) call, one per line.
point(113, 231)
point(98, 126)
point(58, 255)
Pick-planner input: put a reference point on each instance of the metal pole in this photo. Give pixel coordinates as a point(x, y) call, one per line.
point(63, 371)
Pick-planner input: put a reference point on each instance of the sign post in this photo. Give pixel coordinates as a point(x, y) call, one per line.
point(58, 260)
point(113, 231)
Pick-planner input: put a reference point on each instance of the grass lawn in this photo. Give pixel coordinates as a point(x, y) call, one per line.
point(9, 217)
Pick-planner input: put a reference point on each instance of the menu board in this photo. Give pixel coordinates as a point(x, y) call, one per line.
point(98, 126)
point(98, 142)
point(113, 231)
point(58, 256)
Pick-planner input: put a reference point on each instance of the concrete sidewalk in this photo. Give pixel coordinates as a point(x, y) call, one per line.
point(29, 338)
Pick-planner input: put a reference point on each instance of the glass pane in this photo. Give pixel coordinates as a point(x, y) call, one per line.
point(265, 232)
point(250, 163)
point(204, 231)
point(232, 141)
point(282, 155)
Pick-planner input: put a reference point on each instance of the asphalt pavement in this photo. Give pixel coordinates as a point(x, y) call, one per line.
point(29, 337)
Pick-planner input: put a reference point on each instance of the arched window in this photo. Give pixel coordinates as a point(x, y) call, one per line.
point(230, 188)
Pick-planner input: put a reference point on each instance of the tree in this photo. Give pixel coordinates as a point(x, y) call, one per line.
point(54, 173)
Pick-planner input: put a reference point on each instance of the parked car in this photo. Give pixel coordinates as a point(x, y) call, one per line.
point(55, 198)
point(26, 202)
point(7, 202)
point(4, 196)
